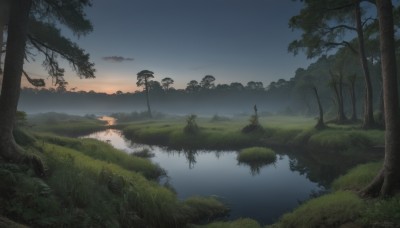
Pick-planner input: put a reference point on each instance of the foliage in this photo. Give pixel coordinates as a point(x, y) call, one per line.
point(382, 212)
point(357, 178)
point(204, 209)
point(330, 210)
point(256, 154)
point(65, 124)
point(218, 118)
point(135, 116)
point(256, 157)
point(191, 125)
point(105, 152)
point(144, 153)
point(239, 223)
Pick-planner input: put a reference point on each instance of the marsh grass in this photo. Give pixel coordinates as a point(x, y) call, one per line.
point(331, 210)
point(257, 155)
point(239, 223)
point(105, 152)
point(64, 124)
point(277, 131)
point(357, 178)
point(204, 209)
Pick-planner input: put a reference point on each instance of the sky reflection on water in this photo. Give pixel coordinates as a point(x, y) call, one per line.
point(263, 196)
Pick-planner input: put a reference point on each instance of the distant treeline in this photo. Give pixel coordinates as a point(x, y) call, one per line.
point(293, 96)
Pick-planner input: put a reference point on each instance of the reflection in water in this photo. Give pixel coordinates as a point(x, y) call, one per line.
point(264, 193)
point(255, 167)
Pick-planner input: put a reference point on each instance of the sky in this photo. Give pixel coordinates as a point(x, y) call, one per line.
point(233, 40)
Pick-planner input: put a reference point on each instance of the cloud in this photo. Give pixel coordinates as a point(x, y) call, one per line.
point(116, 59)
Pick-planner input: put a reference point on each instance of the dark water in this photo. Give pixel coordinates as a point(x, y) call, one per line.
point(263, 194)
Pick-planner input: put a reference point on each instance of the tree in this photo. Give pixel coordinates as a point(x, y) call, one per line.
point(252, 85)
point(28, 26)
point(192, 86)
point(320, 124)
point(166, 82)
point(387, 182)
point(237, 86)
point(324, 23)
point(143, 78)
point(4, 11)
point(207, 82)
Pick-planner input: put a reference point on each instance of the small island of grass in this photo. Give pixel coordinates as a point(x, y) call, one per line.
point(257, 155)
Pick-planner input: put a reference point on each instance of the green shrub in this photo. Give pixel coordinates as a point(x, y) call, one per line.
point(191, 125)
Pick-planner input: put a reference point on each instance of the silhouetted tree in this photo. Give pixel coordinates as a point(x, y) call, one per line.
point(237, 86)
point(33, 21)
point(387, 182)
point(166, 82)
point(252, 85)
point(207, 82)
point(143, 79)
point(192, 86)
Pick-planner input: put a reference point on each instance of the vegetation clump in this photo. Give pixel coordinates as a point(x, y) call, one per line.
point(332, 210)
point(218, 118)
point(191, 125)
point(144, 153)
point(256, 157)
point(254, 125)
point(256, 154)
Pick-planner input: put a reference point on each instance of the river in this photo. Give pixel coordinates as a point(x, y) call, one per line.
point(263, 193)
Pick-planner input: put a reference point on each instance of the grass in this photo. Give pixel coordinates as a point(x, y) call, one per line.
point(257, 155)
point(278, 131)
point(330, 210)
point(345, 207)
point(63, 124)
point(357, 178)
point(240, 223)
point(105, 152)
point(90, 184)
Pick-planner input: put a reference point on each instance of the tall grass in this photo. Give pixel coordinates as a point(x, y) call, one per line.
point(278, 131)
point(332, 210)
point(105, 152)
point(357, 178)
point(65, 124)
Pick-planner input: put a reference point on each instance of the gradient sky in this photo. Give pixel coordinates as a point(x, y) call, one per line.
point(233, 40)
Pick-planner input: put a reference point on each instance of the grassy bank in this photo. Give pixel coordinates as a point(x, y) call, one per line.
point(90, 184)
point(64, 124)
point(278, 131)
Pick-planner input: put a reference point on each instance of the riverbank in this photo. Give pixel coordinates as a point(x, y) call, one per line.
point(297, 132)
point(82, 176)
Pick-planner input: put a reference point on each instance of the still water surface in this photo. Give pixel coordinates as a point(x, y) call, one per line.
point(263, 194)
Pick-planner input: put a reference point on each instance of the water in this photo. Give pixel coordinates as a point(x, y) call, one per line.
point(262, 194)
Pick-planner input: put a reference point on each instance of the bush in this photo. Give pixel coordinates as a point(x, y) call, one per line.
point(191, 125)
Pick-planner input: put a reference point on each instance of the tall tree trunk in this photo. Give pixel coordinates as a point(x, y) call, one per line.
point(368, 104)
point(388, 180)
point(4, 14)
point(337, 86)
point(352, 91)
point(341, 116)
point(14, 60)
point(147, 97)
point(320, 124)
